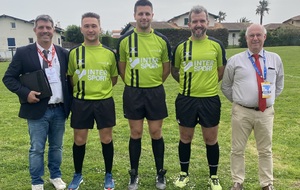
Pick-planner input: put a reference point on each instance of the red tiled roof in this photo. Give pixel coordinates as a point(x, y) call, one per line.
point(295, 18)
point(233, 26)
point(274, 26)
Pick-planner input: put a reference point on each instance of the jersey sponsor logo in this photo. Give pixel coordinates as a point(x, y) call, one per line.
point(155, 50)
point(187, 66)
point(97, 75)
point(80, 74)
point(134, 62)
point(145, 62)
point(199, 65)
point(203, 65)
point(92, 74)
point(211, 53)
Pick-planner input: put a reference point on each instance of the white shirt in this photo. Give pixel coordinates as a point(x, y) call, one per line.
point(239, 83)
point(56, 88)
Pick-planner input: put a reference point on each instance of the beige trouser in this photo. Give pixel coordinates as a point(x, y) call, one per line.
point(243, 121)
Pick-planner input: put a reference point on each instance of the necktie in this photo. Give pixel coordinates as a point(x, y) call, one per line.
point(262, 104)
point(45, 64)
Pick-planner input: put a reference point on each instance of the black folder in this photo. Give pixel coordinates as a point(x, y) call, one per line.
point(36, 81)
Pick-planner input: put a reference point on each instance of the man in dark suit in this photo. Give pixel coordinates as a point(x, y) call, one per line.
point(45, 117)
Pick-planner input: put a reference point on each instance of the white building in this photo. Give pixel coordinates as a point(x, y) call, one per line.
point(234, 29)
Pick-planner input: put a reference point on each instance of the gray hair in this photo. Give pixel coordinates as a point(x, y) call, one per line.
point(45, 18)
point(198, 9)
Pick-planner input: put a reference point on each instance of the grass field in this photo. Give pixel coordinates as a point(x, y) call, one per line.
point(14, 142)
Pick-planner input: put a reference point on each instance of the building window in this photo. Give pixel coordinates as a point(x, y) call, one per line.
point(11, 42)
point(13, 25)
point(58, 40)
point(30, 40)
point(186, 21)
point(233, 35)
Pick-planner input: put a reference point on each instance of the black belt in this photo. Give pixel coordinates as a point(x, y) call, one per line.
point(252, 108)
point(55, 105)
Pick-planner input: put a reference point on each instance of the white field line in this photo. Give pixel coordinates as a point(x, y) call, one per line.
point(293, 76)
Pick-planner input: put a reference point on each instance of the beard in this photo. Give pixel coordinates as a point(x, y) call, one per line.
point(91, 39)
point(198, 34)
point(144, 26)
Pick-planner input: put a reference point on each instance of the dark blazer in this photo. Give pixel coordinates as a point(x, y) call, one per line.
point(26, 60)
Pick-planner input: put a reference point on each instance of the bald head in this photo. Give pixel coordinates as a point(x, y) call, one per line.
point(256, 26)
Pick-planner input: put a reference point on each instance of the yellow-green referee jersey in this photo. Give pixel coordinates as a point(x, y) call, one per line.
point(92, 68)
point(144, 55)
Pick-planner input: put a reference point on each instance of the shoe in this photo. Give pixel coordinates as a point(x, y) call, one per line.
point(77, 180)
point(268, 187)
point(37, 187)
point(182, 180)
point(134, 180)
point(161, 179)
point(58, 183)
point(109, 183)
point(237, 186)
point(214, 183)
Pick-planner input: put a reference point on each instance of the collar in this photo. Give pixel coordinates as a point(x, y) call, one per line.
point(261, 53)
point(42, 49)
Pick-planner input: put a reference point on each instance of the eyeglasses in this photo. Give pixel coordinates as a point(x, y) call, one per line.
point(257, 35)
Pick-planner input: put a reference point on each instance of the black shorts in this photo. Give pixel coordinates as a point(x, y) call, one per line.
point(192, 110)
point(139, 103)
point(85, 112)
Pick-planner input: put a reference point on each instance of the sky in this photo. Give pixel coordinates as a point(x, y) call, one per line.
point(115, 14)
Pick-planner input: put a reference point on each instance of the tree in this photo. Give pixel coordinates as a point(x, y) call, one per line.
point(106, 33)
point(73, 34)
point(262, 8)
point(222, 16)
point(244, 19)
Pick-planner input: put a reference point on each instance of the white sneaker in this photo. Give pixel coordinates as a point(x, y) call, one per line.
point(37, 187)
point(58, 183)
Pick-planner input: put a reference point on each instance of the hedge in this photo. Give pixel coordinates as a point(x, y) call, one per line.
point(175, 36)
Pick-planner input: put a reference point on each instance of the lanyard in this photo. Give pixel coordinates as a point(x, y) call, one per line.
point(255, 67)
point(44, 58)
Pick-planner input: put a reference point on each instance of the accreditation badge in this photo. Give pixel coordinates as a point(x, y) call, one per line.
point(51, 75)
point(266, 89)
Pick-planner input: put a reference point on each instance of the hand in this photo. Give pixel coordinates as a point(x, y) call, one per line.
point(31, 98)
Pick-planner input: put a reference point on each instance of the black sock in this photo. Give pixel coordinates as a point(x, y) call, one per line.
point(78, 157)
point(108, 155)
point(213, 154)
point(158, 148)
point(135, 153)
point(184, 156)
